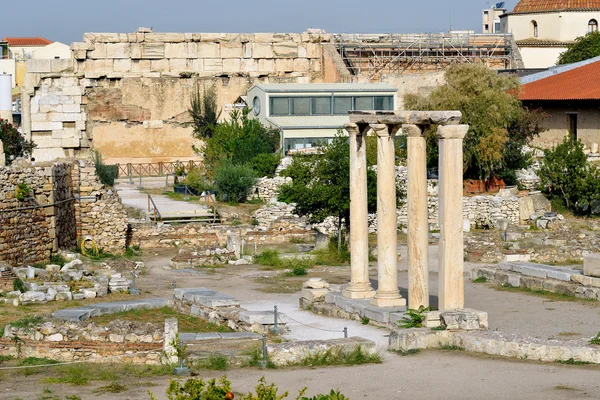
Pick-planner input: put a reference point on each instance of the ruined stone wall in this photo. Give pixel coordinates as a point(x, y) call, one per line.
point(32, 228)
point(99, 211)
point(128, 94)
point(66, 201)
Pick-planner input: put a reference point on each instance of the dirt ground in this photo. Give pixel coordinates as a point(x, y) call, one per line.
point(426, 375)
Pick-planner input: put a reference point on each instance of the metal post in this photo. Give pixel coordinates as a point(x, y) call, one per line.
point(141, 182)
point(275, 315)
point(174, 284)
point(263, 363)
point(181, 358)
point(167, 182)
point(133, 290)
point(345, 332)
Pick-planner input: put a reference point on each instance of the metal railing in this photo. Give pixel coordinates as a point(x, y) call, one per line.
point(152, 207)
point(155, 169)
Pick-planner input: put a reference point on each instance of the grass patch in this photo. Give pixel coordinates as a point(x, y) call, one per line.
point(268, 258)
point(439, 328)
point(215, 362)
point(339, 357)
point(256, 358)
point(187, 323)
point(271, 260)
point(83, 374)
point(279, 284)
point(365, 320)
point(404, 353)
point(5, 358)
point(572, 361)
point(451, 347)
point(113, 387)
point(182, 197)
point(596, 339)
point(542, 293)
point(564, 387)
point(27, 323)
point(330, 256)
point(481, 279)
point(31, 361)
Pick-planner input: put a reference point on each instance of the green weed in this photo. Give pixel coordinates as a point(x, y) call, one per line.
point(113, 387)
point(365, 320)
point(481, 279)
point(406, 352)
point(572, 361)
point(451, 347)
point(215, 362)
point(339, 357)
point(414, 318)
point(27, 323)
point(595, 339)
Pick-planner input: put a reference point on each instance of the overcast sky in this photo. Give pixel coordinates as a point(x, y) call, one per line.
point(66, 20)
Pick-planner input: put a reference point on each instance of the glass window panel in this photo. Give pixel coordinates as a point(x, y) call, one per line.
point(383, 103)
point(279, 106)
point(321, 105)
point(342, 105)
point(363, 103)
point(300, 105)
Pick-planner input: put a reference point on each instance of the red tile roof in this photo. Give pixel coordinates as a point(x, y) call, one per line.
point(580, 83)
point(532, 6)
point(27, 41)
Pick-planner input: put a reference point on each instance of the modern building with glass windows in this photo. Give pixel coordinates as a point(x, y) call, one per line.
point(310, 114)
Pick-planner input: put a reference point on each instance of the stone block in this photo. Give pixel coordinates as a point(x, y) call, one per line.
point(38, 65)
point(123, 65)
point(176, 50)
point(261, 317)
point(232, 50)
point(285, 50)
point(591, 265)
point(232, 65)
point(316, 66)
point(301, 65)
point(313, 50)
point(595, 282)
point(514, 280)
point(62, 65)
point(141, 66)
point(314, 294)
point(164, 37)
point(104, 66)
point(152, 51)
point(178, 65)
point(213, 65)
point(209, 50)
point(249, 65)
point(266, 65)
point(262, 50)
point(99, 51)
point(154, 124)
point(160, 65)
point(118, 50)
point(560, 275)
point(315, 283)
point(284, 65)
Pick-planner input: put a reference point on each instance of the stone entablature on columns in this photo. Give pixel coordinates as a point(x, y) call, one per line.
point(386, 124)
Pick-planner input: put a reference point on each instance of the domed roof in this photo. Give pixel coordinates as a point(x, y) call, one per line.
point(533, 6)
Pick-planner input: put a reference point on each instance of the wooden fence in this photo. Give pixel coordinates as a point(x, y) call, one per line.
point(155, 169)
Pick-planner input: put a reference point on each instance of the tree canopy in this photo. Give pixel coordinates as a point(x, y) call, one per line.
point(583, 48)
point(15, 145)
point(499, 125)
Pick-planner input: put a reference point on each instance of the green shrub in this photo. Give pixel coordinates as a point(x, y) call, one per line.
point(269, 258)
point(233, 182)
point(414, 318)
point(14, 143)
point(196, 180)
point(106, 173)
point(18, 285)
point(333, 395)
point(198, 389)
point(31, 361)
point(22, 191)
point(265, 164)
point(595, 340)
point(566, 175)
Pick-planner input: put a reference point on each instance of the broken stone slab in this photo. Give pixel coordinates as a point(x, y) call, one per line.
point(591, 265)
point(30, 297)
point(315, 283)
point(314, 294)
point(74, 314)
point(206, 297)
point(262, 317)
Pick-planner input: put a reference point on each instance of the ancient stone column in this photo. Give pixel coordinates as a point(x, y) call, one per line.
point(418, 224)
point(359, 287)
point(387, 254)
point(170, 344)
point(451, 261)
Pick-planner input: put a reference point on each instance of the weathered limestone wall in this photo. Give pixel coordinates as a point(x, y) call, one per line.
point(128, 94)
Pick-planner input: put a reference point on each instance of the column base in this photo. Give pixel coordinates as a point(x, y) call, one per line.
point(365, 292)
point(388, 302)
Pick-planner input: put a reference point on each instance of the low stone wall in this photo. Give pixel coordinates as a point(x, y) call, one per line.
point(532, 276)
point(278, 215)
point(209, 237)
point(118, 341)
point(496, 344)
point(268, 188)
point(290, 353)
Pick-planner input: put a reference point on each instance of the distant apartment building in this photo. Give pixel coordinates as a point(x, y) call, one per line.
point(491, 18)
point(17, 50)
point(308, 115)
point(543, 29)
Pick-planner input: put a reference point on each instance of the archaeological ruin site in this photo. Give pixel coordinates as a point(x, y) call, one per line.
point(161, 224)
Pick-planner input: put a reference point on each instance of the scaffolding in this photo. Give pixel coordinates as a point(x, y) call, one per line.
point(372, 56)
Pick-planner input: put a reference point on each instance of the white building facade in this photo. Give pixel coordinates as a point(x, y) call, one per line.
point(544, 29)
point(308, 115)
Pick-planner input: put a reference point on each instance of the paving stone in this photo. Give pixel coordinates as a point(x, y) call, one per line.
point(207, 336)
point(239, 335)
point(560, 275)
point(534, 271)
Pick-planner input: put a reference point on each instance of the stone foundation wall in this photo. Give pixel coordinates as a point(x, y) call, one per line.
point(210, 237)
